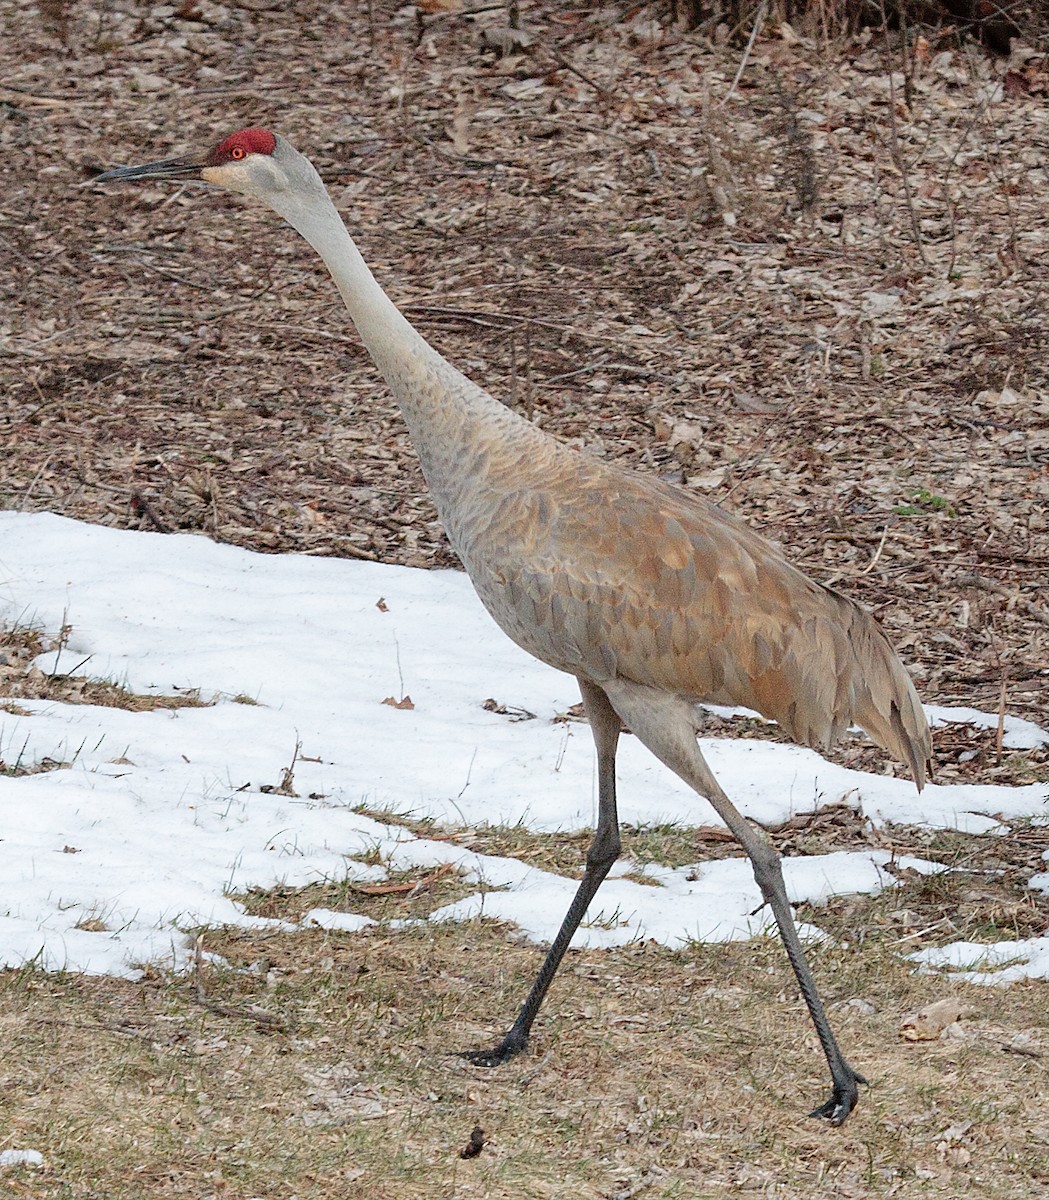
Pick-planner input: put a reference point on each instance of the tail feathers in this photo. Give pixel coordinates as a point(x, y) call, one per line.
point(917, 749)
point(888, 707)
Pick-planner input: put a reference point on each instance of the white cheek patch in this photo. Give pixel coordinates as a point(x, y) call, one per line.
point(230, 176)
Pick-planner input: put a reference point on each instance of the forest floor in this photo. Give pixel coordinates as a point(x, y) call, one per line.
point(814, 294)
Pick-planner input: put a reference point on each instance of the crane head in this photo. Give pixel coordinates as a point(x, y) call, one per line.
point(243, 162)
point(255, 163)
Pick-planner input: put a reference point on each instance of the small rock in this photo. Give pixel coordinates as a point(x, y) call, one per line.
point(933, 1021)
point(145, 82)
point(859, 1005)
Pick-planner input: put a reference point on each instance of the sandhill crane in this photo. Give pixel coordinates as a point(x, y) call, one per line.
point(652, 598)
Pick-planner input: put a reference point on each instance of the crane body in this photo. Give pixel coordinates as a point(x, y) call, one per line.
point(654, 599)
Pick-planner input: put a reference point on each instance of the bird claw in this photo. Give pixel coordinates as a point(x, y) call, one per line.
point(842, 1099)
point(511, 1045)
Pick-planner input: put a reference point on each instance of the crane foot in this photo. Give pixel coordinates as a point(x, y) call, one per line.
point(512, 1044)
point(842, 1099)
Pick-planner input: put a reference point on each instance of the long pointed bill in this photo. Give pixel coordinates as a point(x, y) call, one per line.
point(166, 168)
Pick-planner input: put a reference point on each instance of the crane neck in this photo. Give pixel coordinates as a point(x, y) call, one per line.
point(453, 422)
point(383, 328)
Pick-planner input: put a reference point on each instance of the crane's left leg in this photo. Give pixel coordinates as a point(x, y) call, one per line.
point(665, 724)
point(603, 852)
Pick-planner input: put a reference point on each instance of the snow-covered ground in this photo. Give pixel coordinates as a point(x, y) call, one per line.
point(161, 817)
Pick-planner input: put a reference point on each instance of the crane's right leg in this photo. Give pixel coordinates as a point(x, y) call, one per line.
point(666, 725)
point(603, 852)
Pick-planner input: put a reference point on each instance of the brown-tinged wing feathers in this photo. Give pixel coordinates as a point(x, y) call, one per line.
point(630, 578)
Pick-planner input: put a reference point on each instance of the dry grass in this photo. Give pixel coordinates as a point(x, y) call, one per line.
point(20, 679)
point(411, 894)
point(318, 1066)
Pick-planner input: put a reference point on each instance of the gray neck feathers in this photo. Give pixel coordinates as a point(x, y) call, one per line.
point(458, 429)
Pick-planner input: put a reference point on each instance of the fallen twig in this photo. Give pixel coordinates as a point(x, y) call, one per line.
point(250, 1013)
point(602, 93)
point(877, 553)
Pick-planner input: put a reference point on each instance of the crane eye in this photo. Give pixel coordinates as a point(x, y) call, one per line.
point(237, 152)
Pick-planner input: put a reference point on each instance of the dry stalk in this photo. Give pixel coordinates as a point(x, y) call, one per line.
point(759, 20)
point(512, 391)
point(286, 787)
point(994, 137)
point(604, 95)
point(34, 481)
point(528, 403)
point(141, 507)
point(719, 175)
point(877, 553)
point(894, 142)
point(801, 159)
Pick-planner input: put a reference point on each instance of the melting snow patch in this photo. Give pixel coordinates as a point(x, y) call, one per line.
point(21, 1158)
point(1017, 734)
point(325, 918)
point(165, 816)
point(998, 963)
point(707, 902)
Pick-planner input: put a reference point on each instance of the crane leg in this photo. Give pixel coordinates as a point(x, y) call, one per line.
point(603, 852)
point(666, 725)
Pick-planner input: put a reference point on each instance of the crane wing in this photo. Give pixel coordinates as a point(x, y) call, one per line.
point(627, 577)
